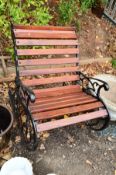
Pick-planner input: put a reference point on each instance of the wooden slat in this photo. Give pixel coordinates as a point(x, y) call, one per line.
point(71, 110)
point(43, 81)
point(52, 92)
point(47, 51)
point(47, 71)
point(43, 31)
point(63, 97)
point(57, 61)
point(62, 104)
point(69, 121)
point(45, 34)
point(59, 99)
point(40, 42)
point(31, 27)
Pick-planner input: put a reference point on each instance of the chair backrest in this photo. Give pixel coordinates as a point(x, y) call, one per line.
point(49, 53)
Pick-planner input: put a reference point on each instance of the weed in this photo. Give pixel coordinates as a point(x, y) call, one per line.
point(113, 63)
point(24, 12)
point(67, 10)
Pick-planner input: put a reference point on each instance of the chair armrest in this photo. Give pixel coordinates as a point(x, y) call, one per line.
point(29, 93)
point(25, 91)
point(92, 85)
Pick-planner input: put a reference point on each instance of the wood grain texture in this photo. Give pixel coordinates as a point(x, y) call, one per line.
point(51, 80)
point(69, 121)
point(45, 34)
point(45, 42)
point(62, 97)
point(56, 91)
point(61, 104)
point(31, 27)
point(67, 110)
point(57, 61)
point(47, 71)
point(47, 51)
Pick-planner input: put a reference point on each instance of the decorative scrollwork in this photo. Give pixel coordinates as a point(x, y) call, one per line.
point(19, 99)
point(25, 92)
point(91, 85)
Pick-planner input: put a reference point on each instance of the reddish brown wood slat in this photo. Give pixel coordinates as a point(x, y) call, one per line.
point(57, 61)
point(62, 104)
point(45, 34)
point(47, 71)
point(69, 121)
point(56, 100)
point(43, 31)
point(41, 42)
point(47, 51)
point(71, 110)
point(63, 97)
point(31, 27)
point(51, 80)
point(52, 92)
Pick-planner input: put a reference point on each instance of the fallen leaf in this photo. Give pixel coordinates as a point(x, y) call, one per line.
point(17, 139)
point(70, 139)
point(88, 162)
point(42, 147)
point(66, 116)
point(7, 156)
point(45, 135)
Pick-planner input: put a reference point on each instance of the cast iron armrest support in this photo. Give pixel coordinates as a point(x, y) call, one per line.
point(25, 92)
point(92, 85)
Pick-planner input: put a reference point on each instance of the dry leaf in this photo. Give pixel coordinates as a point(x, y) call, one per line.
point(88, 162)
point(45, 135)
point(17, 139)
point(42, 147)
point(66, 116)
point(7, 156)
point(70, 139)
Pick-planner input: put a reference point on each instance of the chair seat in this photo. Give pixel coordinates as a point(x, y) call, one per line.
point(57, 106)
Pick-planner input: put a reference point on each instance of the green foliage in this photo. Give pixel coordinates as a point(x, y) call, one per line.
point(104, 2)
point(86, 4)
point(67, 10)
point(24, 12)
point(78, 25)
point(114, 63)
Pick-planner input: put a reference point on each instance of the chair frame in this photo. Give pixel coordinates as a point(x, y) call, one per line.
point(21, 95)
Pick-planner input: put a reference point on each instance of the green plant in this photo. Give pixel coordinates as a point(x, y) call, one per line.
point(24, 12)
point(78, 25)
point(114, 63)
point(87, 4)
point(104, 2)
point(67, 10)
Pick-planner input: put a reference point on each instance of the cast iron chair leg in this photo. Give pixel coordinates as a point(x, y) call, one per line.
point(25, 122)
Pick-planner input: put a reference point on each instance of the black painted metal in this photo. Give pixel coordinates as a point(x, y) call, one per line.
point(93, 88)
point(19, 99)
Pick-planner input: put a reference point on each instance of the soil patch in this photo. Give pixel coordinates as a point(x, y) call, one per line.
point(72, 150)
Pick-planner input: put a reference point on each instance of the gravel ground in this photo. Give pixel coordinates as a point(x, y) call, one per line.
point(73, 150)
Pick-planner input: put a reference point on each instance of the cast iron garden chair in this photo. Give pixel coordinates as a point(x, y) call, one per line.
point(49, 85)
